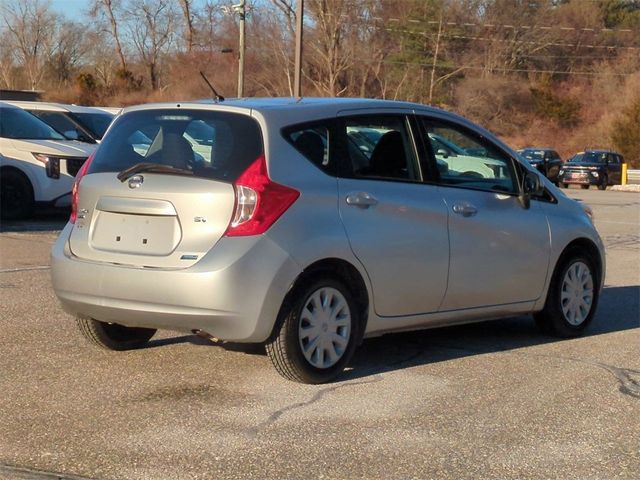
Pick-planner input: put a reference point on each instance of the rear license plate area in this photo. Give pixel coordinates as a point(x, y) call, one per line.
point(153, 235)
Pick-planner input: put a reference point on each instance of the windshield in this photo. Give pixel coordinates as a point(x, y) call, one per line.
point(590, 157)
point(63, 124)
point(532, 154)
point(218, 145)
point(96, 123)
point(447, 145)
point(20, 125)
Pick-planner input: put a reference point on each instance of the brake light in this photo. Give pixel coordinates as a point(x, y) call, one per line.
point(76, 184)
point(259, 201)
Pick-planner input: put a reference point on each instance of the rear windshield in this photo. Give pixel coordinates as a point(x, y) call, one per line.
point(217, 145)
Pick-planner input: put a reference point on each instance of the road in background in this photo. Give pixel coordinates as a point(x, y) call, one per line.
point(492, 400)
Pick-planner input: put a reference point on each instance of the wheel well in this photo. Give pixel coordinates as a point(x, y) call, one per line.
point(587, 246)
point(17, 171)
point(340, 270)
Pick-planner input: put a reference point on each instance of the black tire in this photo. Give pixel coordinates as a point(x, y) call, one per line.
point(285, 349)
point(16, 195)
point(562, 185)
point(584, 187)
point(603, 184)
point(113, 336)
point(552, 319)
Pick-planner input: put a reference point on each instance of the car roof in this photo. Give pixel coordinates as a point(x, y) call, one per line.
point(287, 103)
point(53, 107)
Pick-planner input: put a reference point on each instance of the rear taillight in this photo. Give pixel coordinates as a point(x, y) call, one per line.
point(259, 201)
point(76, 185)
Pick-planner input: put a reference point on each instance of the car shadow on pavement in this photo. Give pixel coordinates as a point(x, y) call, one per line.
point(619, 309)
point(45, 220)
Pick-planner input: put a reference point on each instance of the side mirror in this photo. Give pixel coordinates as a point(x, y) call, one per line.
point(530, 186)
point(71, 134)
point(442, 153)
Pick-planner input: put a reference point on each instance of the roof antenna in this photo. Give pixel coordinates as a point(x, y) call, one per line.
point(216, 96)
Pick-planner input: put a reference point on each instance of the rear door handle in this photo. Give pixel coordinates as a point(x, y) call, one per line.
point(465, 209)
point(361, 199)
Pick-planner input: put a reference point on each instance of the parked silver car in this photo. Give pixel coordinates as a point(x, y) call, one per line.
point(295, 227)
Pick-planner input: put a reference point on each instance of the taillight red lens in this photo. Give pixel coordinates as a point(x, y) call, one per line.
point(259, 201)
point(74, 191)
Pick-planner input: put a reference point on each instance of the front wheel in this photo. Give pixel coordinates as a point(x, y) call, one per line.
point(584, 187)
point(16, 195)
point(318, 334)
point(562, 185)
point(113, 336)
point(572, 298)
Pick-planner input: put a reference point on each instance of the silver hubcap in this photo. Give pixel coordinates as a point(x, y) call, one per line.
point(325, 327)
point(576, 296)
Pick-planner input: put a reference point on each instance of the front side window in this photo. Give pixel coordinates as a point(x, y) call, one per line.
point(379, 147)
point(217, 145)
point(463, 159)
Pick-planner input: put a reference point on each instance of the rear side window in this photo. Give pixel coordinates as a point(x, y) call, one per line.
point(379, 147)
point(217, 145)
point(96, 123)
point(315, 142)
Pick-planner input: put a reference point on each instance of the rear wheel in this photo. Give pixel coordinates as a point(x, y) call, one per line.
point(113, 336)
point(572, 298)
point(562, 185)
point(603, 183)
point(584, 187)
point(319, 331)
point(16, 195)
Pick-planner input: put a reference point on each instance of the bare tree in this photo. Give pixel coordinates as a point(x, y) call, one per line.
point(188, 20)
point(69, 50)
point(109, 9)
point(330, 56)
point(32, 27)
point(151, 28)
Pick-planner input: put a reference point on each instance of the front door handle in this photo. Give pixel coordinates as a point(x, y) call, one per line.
point(361, 199)
point(465, 209)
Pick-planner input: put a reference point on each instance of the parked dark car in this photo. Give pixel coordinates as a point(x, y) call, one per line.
point(592, 167)
point(545, 160)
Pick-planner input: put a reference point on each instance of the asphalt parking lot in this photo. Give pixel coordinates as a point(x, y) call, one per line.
point(492, 400)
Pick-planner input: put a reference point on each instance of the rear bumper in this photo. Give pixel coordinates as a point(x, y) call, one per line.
point(234, 293)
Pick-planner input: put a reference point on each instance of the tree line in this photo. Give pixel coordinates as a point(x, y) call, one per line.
point(564, 73)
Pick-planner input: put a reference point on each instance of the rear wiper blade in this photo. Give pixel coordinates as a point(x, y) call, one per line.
point(151, 167)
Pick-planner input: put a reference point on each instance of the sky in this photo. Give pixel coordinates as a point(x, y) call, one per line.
point(72, 9)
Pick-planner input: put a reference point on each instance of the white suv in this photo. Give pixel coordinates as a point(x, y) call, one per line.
point(75, 122)
point(37, 164)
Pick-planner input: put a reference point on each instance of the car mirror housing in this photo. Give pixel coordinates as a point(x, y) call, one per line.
point(531, 185)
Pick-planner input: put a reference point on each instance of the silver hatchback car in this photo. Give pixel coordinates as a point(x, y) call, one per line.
point(309, 224)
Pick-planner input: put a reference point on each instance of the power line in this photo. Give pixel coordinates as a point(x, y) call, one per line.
point(503, 69)
point(512, 41)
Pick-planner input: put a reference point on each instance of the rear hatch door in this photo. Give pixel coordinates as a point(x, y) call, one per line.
point(152, 197)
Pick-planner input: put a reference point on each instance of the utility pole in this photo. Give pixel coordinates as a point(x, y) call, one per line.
point(241, 10)
point(297, 78)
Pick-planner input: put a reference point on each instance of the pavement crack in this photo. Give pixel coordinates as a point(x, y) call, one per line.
point(627, 378)
point(315, 398)
point(25, 473)
point(25, 269)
